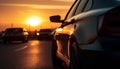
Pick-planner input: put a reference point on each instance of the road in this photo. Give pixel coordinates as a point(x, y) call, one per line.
point(32, 55)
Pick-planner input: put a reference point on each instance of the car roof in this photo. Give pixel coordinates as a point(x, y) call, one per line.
point(45, 30)
point(15, 28)
point(105, 3)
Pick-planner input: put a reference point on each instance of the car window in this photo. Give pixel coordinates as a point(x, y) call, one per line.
point(105, 4)
point(14, 30)
point(89, 5)
point(45, 30)
point(72, 10)
point(85, 5)
point(80, 6)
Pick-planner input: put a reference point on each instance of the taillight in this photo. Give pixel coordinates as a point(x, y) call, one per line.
point(110, 24)
point(109, 29)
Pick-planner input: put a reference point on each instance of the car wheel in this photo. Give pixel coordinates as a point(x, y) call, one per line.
point(74, 55)
point(57, 62)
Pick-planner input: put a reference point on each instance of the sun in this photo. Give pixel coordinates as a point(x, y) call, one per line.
point(34, 20)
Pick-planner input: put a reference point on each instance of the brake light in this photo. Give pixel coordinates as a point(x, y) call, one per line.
point(110, 23)
point(109, 29)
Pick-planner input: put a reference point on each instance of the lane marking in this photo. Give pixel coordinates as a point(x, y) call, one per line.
point(22, 48)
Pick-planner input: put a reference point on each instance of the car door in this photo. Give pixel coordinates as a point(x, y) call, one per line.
point(64, 34)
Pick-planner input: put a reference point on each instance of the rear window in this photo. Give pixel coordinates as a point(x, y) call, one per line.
point(45, 30)
point(111, 23)
point(14, 30)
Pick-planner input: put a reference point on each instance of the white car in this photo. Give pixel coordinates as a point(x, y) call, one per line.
point(89, 36)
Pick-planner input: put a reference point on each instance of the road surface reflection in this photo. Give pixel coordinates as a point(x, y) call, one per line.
point(32, 55)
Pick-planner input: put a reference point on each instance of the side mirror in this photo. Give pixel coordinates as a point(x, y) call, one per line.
point(56, 18)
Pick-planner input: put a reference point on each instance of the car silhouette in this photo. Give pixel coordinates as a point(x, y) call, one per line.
point(89, 36)
point(44, 34)
point(0, 36)
point(15, 34)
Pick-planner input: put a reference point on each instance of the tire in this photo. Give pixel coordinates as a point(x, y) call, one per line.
point(74, 55)
point(57, 62)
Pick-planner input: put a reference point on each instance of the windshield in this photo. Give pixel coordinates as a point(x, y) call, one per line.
point(14, 30)
point(72, 9)
point(45, 30)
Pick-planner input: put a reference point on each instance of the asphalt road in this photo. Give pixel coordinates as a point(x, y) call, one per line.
point(32, 55)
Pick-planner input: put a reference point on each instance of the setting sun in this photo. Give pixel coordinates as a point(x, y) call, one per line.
point(34, 20)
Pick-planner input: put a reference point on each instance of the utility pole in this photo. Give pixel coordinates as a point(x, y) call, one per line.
point(11, 25)
point(29, 28)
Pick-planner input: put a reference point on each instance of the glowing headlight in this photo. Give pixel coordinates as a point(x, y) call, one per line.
point(37, 34)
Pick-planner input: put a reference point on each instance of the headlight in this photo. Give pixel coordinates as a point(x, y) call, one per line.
point(37, 34)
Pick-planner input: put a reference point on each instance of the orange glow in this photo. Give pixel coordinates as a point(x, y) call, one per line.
point(33, 20)
point(59, 29)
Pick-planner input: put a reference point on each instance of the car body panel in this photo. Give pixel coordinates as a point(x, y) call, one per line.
point(85, 30)
point(89, 14)
point(85, 27)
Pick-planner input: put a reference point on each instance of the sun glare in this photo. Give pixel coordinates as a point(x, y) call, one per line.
point(34, 20)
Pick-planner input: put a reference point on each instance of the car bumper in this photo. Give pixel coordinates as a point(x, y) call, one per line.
point(13, 38)
point(44, 36)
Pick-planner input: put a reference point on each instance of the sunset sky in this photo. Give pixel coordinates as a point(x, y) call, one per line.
point(19, 13)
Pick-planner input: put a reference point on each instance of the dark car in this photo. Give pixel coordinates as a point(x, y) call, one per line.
point(15, 34)
point(1, 36)
point(44, 34)
point(89, 36)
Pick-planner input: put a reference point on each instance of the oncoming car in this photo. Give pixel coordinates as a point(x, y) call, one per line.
point(15, 34)
point(89, 36)
point(44, 34)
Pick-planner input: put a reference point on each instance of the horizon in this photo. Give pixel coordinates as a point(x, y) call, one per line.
point(15, 13)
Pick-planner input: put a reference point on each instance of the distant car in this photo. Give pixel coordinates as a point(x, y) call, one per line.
point(89, 36)
point(15, 34)
point(44, 34)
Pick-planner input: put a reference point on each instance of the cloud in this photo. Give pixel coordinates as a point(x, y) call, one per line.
point(65, 0)
point(38, 6)
point(40, 2)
